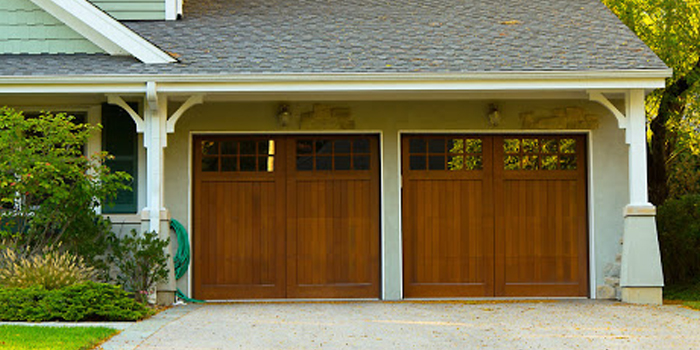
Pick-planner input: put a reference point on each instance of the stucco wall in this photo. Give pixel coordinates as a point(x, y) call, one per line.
point(608, 153)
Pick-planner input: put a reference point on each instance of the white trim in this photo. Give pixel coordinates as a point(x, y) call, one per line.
point(138, 120)
point(171, 9)
point(622, 119)
point(191, 101)
point(592, 273)
point(297, 83)
point(103, 30)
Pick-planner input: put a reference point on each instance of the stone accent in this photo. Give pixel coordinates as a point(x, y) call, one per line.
point(643, 295)
point(324, 117)
point(611, 273)
point(559, 118)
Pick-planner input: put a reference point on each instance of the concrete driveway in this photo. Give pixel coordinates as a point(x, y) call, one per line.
point(582, 324)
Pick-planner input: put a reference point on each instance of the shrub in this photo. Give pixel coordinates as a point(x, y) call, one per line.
point(678, 222)
point(87, 301)
point(50, 269)
point(140, 260)
point(49, 189)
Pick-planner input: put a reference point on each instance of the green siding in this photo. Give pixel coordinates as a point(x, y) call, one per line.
point(27, 29)
point(133, 9)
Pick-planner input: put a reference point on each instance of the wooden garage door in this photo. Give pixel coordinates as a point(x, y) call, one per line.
point(286, 217)
point(494, 216)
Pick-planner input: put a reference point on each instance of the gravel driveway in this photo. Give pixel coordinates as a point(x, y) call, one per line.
point(416, 325)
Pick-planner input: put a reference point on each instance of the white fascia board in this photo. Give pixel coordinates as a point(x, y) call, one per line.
point(273, 83)
point(103, 30)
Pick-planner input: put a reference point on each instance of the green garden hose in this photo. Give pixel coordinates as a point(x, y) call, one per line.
point(181, 259)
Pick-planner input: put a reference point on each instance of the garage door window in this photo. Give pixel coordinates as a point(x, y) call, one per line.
point(445, 153)
point(332, 154)
point(238, 156)
point(539, 154)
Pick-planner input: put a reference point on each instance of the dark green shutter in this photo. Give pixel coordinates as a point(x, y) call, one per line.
point(119, 139)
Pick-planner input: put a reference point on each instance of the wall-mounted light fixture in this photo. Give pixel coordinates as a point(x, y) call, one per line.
point(494, 115)
point(283, 115)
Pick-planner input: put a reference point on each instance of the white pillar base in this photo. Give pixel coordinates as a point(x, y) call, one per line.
point(165, 292)
point(642, 295)
point(641, 275)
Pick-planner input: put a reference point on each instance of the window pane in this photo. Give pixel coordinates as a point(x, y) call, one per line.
point(248, 163)
point(417, 163)
point(531, 146)
point(324, 163)
point(455, 146)
point(210, 164)
point(531, 162)
point(229, 163)
point(567, 145)
point(436, 146)
point(549, 146)
point(247, 147)
point(360, 146)
point(511, 163)
point(210, 147)
point(266, 164)
point(305, 163)
point(324, 146)
point(416, 146)
point(229, 147)
point(305, 147)
point(472, 146)
point(342, 146)
point(455, 162)
point(511, 146)
point(436, 162)
point(568, 162)
point(550, 162)
point(342, 162)
point(360, 162)
point(264, 147)
point(473, 163)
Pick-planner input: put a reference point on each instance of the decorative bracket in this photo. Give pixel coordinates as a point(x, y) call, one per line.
point(622, 120)
point(117, 100)
point(191, 101)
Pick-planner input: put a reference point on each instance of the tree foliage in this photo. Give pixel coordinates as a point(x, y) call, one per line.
point(671, 28)
point(49, 189)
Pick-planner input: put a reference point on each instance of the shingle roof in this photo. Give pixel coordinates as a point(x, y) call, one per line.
point(371, 36)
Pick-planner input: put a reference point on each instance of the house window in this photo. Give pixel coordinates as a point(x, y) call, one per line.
point(119, 139)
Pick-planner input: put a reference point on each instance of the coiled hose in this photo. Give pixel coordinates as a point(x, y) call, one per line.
point(181, 259)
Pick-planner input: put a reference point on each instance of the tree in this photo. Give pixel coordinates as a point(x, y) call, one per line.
point(671, 28)
point(49, 189)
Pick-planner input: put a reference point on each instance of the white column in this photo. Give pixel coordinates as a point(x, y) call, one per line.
point(637, 140)
point(641, 275)
point(155, 140)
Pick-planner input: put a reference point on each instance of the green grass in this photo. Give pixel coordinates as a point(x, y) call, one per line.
point(59, 338)
point(685, 294)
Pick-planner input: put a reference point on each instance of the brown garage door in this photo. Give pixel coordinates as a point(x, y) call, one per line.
point(494, 216)
point(286, 217)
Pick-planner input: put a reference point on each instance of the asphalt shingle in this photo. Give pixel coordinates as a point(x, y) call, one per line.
point(370, 36)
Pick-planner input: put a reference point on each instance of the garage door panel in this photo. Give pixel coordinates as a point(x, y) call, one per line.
point(540, 232)
point(333, 220)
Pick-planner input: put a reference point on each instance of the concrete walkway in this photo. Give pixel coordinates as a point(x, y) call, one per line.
point(582, 324)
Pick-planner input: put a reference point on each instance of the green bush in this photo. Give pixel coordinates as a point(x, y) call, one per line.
point(87, 301)
point(50, 269)
point(678, 222)
point(140, 260)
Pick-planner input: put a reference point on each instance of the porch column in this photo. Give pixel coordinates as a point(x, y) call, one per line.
point(641, 276)
point(155, 217)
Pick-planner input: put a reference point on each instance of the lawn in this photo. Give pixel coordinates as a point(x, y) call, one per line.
point(63, 338)
point(686, 294)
